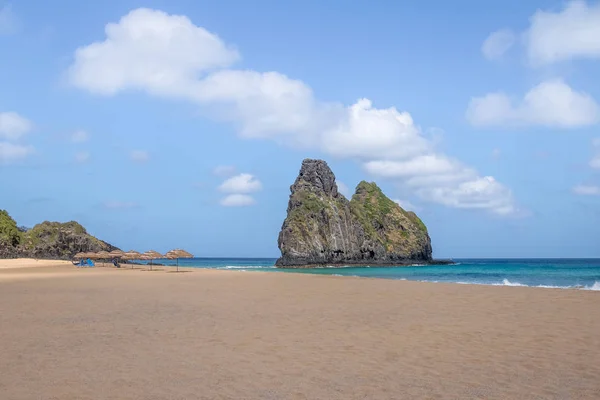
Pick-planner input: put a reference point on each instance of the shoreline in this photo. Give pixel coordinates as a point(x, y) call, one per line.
point(12, 267)
point(378, 264)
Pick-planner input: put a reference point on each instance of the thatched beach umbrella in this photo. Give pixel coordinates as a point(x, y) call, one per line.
point(116, 253)
point(177, 254)
point(153, 255)
point(132, 255)
point(102, 256)
point(78, 256)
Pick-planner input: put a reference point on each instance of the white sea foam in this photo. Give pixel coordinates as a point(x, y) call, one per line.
point(506, 282)
point(246, 267)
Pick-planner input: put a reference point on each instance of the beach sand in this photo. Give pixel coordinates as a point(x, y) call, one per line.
point(106, 333)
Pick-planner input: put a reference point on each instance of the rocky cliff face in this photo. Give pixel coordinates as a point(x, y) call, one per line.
point(324, 228)
point(50, 240)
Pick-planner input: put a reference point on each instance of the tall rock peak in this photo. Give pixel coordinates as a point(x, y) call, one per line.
point(316, 176)
point(323, 228)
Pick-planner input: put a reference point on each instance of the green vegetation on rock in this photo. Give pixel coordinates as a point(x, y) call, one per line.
point(46, 240)
point(9, 233)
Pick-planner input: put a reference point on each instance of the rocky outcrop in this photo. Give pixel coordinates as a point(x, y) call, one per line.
point(323, 228)
point(48, 240)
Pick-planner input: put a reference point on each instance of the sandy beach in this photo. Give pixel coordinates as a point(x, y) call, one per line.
point(106, 333)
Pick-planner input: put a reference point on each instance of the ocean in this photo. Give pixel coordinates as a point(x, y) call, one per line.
point(545, 273)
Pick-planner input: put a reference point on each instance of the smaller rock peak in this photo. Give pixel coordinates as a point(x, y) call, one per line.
point(367, 187)
point(315, 175)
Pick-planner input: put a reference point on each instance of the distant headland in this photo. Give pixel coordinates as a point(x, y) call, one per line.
point(47, 240)
point(323, 228)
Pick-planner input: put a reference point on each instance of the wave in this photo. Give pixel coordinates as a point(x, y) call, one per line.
point(246, 267)
point(506, 282)
point(594, 287)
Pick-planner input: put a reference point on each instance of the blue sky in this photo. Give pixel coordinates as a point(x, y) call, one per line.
point(183, 123)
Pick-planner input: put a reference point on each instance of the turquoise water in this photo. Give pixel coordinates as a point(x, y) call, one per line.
point(553, 273)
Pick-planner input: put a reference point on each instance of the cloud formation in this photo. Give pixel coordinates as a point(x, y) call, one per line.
point(498, 43)
point(237, 200)
point(13, 126)
point(239, 187)
point(10, 152)
point(242, 183)
point(572, 33)
point(168, 56)
point(344, 189)
point(552, 103)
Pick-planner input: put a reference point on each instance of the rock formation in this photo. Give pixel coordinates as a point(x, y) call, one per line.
point(323, 228)
point(50, 240)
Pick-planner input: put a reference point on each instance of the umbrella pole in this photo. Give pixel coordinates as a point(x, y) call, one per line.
point(178, 265)
point(151, 264)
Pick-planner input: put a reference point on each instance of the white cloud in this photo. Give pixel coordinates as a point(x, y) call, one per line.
point(572, 33)
point(242, 183)
point(168, 56)
point(552, 103)
point(13, 126)
point(10, 152)
point(80, 136)
point(237, 200)
point(149, 50)
point(119, 205)
point(224, 170)
point(343, 189)
point(366, 132)
point(9, 23)
point(406, 205)
point(498, 43)
point(449, 182)
point(431, 164)
point(478, 193)
point(82, 157)
point(139, 156)
point(496, 154)
point(586, 190)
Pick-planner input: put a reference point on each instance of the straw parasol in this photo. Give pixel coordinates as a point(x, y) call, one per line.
point(131, 255)
point(152, 255)
point(78, 256)
point(176, 254)
point(116, 253)
point(102, 255)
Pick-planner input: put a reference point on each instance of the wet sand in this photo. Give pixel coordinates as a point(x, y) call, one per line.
point(106, 333)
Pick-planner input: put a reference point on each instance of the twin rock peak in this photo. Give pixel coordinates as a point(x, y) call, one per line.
point(323, 228)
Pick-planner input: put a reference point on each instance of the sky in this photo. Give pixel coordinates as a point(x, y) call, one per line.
point(183, 123)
